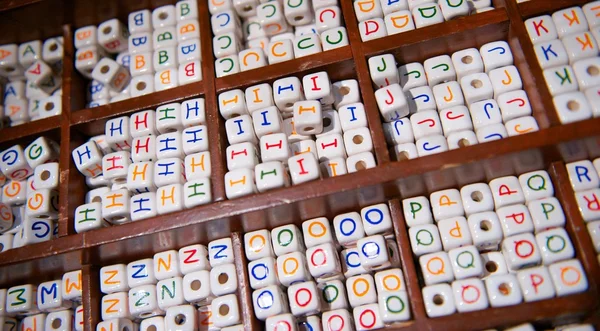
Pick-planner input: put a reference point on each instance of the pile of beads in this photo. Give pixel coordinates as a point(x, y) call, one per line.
point(272, 32)
point(149, 164)
point(183, 289)
point(29, 208)
point(298, 277)
point(511, 246)
point(566, 46)
point(448, 102)
point(53, 305)
point(380, 18)
point(309, 127)
point(34, 71)
point(160, 50)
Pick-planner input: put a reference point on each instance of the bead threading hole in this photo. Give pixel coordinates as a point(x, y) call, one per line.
point(573, 105)
point(344, 90)
point(308, 129)
point(403, 156)
point(140, 86)
point(358, 139)
point(53, 47)
point(326, 121)
point(163, 16)
point(223, 310)
point(298, 18)
point(247, 8)
point(196, 285)
point(107, 30)
point(223, 278)
point(476, 83)
point(438, 300)
point(56, 323)
point(491, 266)
point(504, 289)
point(476, 196)
point(49, 106)
point(464, 142)
point(104, 69)
point(485, 225)
point(361, 165)
point(180, 319)
point(45, 175)
point(593, 71)
point(467, 59)
point(151, 328)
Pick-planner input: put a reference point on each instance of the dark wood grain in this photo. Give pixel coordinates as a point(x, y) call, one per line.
point(541, 7)
point(244, 290)
point(216, 126)
point(332, 61)
point(10, 135)
point(576, 226)
point(90, 277)
point(92, 120)
point(366, 87)
point(408, 266)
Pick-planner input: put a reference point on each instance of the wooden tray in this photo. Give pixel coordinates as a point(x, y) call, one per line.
point(545, 149)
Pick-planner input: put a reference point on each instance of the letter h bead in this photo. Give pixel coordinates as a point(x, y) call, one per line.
point(118, 136)
point(87, 158)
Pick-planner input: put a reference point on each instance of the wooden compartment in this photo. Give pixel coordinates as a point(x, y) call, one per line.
point(388, 181)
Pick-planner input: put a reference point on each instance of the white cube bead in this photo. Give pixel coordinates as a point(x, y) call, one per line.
point(568, 277)
point(495, 55)
point(503, 290)
point(372, 29)
point(521, 251)
point(383, 70)
point(392, 102)
point(569, 21)
point(467, 62)
point(439, 300)
point(555, 245)
point(399, 21)
point(427, 14)
point(541, 28)
point(439, 70)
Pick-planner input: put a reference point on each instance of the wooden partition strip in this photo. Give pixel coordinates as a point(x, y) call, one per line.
point(65, 227)
point(91, 296)
point(539, 7)
point(531, 72)
point(576, 226)
point(284, 69)
point(365, 85)
point(72, 184)
point(408, 264)
point(244, 289)
point(478, 24)
point(216, 126)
